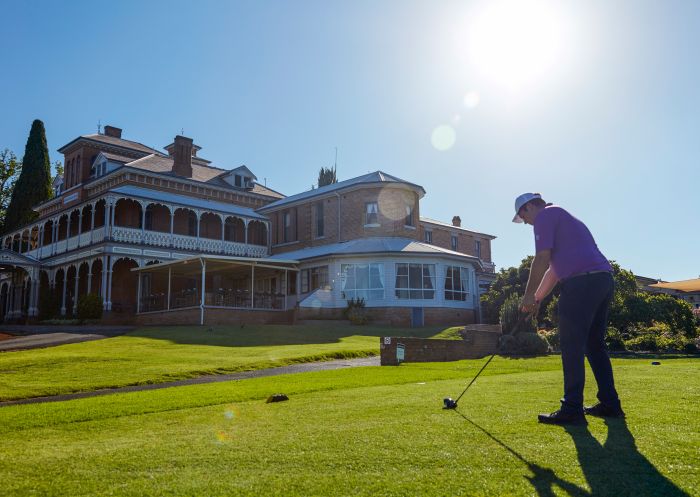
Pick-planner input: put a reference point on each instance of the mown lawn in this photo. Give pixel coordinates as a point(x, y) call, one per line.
point(364, 431)
point(156, 355)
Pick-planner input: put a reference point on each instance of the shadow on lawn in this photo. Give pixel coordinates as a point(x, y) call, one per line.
point(615, 468)
point(268, 335)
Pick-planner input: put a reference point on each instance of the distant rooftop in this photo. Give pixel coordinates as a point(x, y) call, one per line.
point(452, 226)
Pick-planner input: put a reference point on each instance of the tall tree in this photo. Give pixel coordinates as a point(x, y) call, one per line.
point(34, 183)
point(9, 168)
point(326, 176)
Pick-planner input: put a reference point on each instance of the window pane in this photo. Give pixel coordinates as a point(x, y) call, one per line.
point(362, 275)
point(415, 275)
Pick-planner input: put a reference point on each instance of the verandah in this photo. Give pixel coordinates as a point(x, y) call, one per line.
point(217, 282)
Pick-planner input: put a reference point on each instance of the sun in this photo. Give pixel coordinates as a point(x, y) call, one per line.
point(516, 43)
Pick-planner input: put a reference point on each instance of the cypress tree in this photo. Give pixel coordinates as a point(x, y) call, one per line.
point(34, 183)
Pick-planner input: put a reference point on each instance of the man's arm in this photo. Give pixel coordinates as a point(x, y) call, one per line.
point(537, 269)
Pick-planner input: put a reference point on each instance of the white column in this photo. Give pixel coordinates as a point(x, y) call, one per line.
point(201, 308)
point(63, 300)
point(68, 228)
point(80, 222)
point(143, 222)
point(172, 225)
point(92, 217)
point(199, 220)
point(89, 279)
point(252, 286)
point(106, 223)
point(109, 287)
point(75, 290)
point(112, 208)
point(103, 288)
point(169, 279)
point(286, 283)
point(138, 293)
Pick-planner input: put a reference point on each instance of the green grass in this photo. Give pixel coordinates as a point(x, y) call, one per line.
point(157, 355)
point(364, 431)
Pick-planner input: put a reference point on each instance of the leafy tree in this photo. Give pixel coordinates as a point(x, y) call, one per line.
point(9, 168)
point(327, 176)
point(34, 183)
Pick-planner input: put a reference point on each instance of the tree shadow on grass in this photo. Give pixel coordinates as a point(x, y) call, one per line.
point(617, 468)
point(270, 335)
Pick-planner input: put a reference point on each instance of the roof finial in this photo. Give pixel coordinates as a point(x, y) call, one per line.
point(182, 131)
point(99, 126)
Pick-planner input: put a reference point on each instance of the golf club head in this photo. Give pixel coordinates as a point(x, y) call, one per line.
point(448, 403)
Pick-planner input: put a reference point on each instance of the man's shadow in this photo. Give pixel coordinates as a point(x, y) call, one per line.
point(614, 469)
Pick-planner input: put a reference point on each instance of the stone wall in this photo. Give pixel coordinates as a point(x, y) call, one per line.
point(216, 316)
point(397, 316)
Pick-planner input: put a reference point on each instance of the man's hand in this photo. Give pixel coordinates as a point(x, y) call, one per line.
point(529, 305)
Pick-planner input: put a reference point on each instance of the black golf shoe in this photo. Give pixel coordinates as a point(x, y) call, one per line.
point(604, 411)
point(562, 418)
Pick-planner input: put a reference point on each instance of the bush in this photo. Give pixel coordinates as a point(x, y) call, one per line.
point(49, 307)
point(614, 339)
point(90, 307)
point(658, 337)
point(358, 315)
point(512, 320)
point(551, 337)
point(523, 344)
point(353, 303)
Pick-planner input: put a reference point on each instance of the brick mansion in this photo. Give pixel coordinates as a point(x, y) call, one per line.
point(167, 237)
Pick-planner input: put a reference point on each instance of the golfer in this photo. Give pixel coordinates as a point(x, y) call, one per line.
point(565, 252)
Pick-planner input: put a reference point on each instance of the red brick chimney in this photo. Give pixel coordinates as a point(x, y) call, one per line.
point(457, 221)
point(182, 156)
point(112, 131)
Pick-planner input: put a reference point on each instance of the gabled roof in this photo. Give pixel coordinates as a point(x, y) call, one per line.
point(185, 201)
point(114, 157)
point(243, 169)
point(377, 177)
point(113, 141)
point(373, 245)
point(210, 175)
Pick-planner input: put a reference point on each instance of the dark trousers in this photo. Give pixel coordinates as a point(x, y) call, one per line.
point(583, 316)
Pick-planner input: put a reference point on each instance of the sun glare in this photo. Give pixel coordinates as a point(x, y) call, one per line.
point(515, 43)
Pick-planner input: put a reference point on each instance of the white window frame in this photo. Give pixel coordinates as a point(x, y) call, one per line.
point(424, 289)
point(461, 282)
point(371, 214)
point(454, 241)
point(428, 236)
point(349, 279)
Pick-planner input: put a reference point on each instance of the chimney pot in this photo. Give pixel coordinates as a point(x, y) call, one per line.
point(182, 156)
point(113, 131)
point(456, 221)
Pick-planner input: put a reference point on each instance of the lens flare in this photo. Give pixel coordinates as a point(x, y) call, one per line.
point(471, 99)
point(223, 437)
point(232, 412)
point(443, 137)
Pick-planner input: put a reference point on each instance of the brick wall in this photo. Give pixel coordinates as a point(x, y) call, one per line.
point(474, 346)
point(391, 217)
point(442, 237)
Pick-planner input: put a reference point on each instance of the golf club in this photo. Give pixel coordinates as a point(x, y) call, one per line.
point(447, 402)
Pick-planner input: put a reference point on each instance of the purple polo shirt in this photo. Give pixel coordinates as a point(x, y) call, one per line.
point(573, 248)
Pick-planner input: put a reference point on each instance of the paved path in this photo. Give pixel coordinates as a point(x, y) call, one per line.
point(294, 368)
point(34, 337)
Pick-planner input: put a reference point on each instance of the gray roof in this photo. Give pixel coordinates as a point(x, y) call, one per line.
point(452, 226)
point(185, 201)
point(372, 246)
point(370, 178)
point(112, 140)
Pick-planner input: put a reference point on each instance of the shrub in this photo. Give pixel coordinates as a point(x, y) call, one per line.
point(523, 344)
point(49, 307)
point(512, 319)
point(551, 337)
point(614, 339)
point(353, 303)
point(358, 315)
point(90, 307)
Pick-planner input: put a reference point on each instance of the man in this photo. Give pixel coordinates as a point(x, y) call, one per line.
point(566, 252)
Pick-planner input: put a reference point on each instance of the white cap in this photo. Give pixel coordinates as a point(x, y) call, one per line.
point(522, 200)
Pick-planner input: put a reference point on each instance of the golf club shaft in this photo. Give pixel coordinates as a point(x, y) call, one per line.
point(520, 321)
point(477, 375)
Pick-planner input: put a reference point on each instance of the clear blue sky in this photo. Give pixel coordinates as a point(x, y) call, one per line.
point(605, 124)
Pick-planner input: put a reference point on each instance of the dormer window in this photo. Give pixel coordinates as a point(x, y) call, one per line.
point(237, 181)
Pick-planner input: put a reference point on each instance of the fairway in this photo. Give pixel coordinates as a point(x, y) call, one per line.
point(366, 431)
